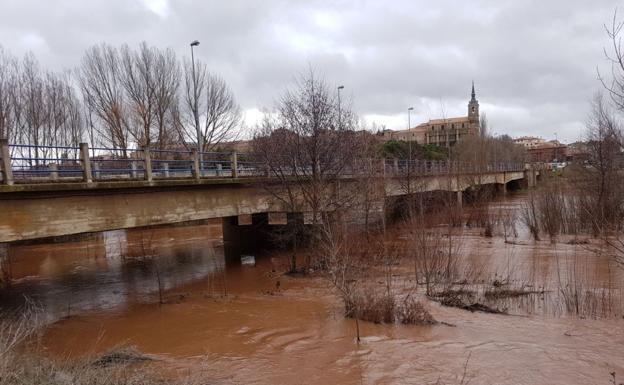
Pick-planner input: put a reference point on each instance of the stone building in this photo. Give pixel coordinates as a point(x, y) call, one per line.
point(442, 132)
point(529, 142)
point(548, 152)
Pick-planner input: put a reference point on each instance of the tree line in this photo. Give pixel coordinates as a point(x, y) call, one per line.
point(118, 98)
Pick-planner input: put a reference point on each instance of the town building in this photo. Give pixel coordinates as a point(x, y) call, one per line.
point(529, 141)
point(548, 152)
point(442, 132)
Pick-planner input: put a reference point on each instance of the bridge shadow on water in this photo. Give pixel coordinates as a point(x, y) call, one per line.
point(110, 270)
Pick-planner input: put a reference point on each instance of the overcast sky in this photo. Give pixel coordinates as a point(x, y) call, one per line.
point(533, 62)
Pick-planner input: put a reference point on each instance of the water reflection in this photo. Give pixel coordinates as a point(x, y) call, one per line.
point(110, 269)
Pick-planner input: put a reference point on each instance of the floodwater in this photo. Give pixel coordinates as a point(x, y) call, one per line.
point(253, 325)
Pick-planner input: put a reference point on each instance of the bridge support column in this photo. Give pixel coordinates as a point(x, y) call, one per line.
point(86, 163)
point(5, 162)
point(5, 265)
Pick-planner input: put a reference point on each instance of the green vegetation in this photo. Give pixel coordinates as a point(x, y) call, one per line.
point(400, 149)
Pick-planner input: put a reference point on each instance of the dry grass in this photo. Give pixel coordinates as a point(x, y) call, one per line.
point(383, 308)
point(22, 360)
point(414, 312)
point(367, 305)
point(500, 293)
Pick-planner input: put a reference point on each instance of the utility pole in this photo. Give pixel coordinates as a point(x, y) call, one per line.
point(339, 112)
point(409, 127)
point(409, 143)
point(195, 43)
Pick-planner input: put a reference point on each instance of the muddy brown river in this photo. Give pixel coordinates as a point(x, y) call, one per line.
point(253, 325)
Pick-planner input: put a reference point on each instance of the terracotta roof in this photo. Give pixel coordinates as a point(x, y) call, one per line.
point(463, 119)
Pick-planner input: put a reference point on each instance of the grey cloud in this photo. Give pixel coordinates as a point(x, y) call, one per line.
point(534, 62)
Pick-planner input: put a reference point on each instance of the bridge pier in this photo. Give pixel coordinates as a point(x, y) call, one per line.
point(253, 233)
point(5, 265)
point(503, 189)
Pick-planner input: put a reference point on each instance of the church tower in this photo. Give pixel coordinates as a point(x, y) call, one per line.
point(473, 109)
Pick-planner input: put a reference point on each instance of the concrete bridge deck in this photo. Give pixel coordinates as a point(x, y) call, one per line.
point(53, 205)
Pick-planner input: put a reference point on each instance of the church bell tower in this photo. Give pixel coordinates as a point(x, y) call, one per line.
point(473, 108)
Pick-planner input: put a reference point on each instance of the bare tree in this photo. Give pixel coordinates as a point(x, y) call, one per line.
point(137, 76)
point(483, 125)
point(209, 102)
point(167, 84)
point(8, 66)
point(615, 56)
point(601, 182)
point(104, 94)
point(306, 146)
point(34, 106)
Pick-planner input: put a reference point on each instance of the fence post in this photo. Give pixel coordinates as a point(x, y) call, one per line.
point(53, 171)
point(234, 165)
point(5, 165)
point(195, 170)
point(148, 164)
point(133, 172)
point(396, 166)
point(166, 169)
point(86, 163)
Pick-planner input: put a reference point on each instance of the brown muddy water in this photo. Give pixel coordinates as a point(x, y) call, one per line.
point(253, 325)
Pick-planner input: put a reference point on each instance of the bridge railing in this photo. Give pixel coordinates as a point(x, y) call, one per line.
point(21, 163)
point(36, 163)
point(114, 163)
point(437, 167)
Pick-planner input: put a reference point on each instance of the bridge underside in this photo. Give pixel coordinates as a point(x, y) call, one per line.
point(50, 212)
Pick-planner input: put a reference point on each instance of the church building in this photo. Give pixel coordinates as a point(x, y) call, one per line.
point(442, 132)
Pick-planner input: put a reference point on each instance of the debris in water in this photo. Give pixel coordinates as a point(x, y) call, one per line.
point(121, 355)
point(248, 260)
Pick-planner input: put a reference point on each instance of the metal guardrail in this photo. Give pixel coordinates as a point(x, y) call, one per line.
point(22, 163)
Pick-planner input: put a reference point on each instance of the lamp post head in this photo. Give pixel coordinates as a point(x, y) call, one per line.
point(194, 43)
point(410, 109)
point(340, 87)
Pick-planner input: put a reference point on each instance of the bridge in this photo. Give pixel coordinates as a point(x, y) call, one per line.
point(48, 191)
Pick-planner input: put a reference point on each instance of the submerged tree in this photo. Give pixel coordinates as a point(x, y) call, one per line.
point(307, 143)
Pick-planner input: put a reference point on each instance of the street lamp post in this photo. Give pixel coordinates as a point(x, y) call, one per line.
point(339, 112)
point(409, 143)
point(195, 43)
point(556, 154)
point(409, 126)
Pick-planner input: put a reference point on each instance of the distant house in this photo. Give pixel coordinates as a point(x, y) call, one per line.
point(442, 132)
point(529, 142)
point(578, 152)
point(548, 152)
